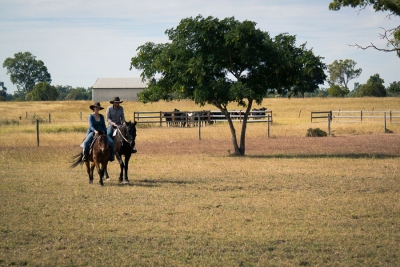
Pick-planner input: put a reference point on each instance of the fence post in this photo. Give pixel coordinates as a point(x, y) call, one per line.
point(199, 123)
point(26, 114)
point(329, 123)
point(269, 124)
point(384, 120)
point(80, 115)
point(390, 117)
point(49, 117)
point(361, 115)
point(37, 131)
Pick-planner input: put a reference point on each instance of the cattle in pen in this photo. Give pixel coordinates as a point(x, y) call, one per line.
point(257, 114)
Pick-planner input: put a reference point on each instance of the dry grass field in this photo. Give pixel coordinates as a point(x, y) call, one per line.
point(291, 201)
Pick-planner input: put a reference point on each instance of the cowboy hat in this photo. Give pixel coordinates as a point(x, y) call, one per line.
point(116, 100)
point(96, 105)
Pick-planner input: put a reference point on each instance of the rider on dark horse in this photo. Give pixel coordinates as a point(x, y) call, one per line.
point(96, 126)
point(115, 117)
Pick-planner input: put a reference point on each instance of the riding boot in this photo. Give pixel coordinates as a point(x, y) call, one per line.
point(85, 156)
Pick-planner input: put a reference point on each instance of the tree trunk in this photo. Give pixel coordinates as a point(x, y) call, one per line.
point(242, 147)
point(233, 132)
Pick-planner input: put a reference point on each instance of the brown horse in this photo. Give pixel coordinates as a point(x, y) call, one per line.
point(98, 157)
point(124, 144)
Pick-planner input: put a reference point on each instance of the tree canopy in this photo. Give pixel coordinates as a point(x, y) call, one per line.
point(341, 72)
point(373, 87)
point(392, 36)
point(336, 91)
point(3, 92)
point(42, 91)
point(394, 87)
point(222, 61)
point(25, 71)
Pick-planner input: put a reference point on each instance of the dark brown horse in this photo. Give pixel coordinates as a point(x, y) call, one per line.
point(98, 157)
point(124, 144)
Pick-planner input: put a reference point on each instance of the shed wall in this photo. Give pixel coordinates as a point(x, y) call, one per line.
point(107, 94)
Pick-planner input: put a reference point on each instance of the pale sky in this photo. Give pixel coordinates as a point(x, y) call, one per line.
point(82, 40)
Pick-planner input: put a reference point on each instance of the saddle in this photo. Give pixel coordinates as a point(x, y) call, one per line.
point(91, 144)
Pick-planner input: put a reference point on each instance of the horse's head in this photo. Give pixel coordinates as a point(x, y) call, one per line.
point(131, 133)
point(103, 143)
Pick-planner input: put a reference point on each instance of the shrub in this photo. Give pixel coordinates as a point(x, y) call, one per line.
point(317, 132)
point(337, 91)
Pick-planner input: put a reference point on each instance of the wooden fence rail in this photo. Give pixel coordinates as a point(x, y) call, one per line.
point(357, 116)
point(365, 115)
point(320, 115)
point(360, 116)
point(189, 118)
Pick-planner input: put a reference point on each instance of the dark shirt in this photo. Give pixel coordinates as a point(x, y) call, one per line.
point(99, 126)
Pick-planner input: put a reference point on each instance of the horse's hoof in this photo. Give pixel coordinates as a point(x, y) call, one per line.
point(127, 181)
point(101, 184)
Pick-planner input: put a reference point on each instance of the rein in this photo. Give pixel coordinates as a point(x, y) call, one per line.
point(119, 131)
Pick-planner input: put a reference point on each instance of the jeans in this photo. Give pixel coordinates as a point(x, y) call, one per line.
point(89, 140)
point(110, 131)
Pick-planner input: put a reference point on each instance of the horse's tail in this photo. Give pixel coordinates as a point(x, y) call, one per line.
point(77, 160)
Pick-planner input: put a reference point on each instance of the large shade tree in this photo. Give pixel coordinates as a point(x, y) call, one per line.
point(26, 71)
point(392, 36)
point(217, 62)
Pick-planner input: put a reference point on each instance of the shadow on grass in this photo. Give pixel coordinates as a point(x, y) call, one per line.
point(152, 183)
point(314, 156)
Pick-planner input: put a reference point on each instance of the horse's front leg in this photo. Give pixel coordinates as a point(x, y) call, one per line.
point(89, 169)
point(101, 174)
point(121, 164)
point(127, 157)
point(106, 174)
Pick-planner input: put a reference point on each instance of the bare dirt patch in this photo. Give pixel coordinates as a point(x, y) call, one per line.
point(385, 145)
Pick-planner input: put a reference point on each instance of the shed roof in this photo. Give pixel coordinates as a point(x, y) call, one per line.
point(107, 83)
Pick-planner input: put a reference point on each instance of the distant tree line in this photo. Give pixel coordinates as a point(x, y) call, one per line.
point(33, 82)
point(43, 91)
point(342, 71)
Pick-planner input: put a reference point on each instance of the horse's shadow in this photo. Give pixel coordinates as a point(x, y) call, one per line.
point(150, 183)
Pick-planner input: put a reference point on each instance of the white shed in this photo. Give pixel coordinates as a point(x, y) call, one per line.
point(105, 89)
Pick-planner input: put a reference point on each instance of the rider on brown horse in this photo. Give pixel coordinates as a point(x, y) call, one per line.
point(96, 126)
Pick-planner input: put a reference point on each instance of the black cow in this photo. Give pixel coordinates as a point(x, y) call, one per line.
point(258, 113)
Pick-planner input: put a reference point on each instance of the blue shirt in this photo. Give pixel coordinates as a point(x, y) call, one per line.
point(99, 126)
